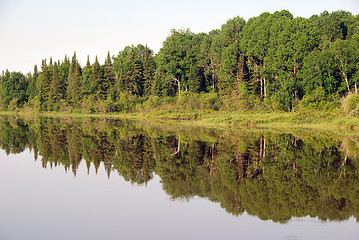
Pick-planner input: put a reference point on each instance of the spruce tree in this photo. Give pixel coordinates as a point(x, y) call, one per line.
point(63, 70)
point(96, 80)
point(45, 81)
point(87, 87)
point(74, 82)
point(108, 75)
point(32, 87)
point(134, 75)
point(55, 93)
point(148, 71)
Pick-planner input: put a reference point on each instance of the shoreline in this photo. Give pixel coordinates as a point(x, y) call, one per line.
point(265, 120)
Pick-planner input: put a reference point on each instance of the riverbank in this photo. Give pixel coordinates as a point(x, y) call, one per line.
point(269, 120)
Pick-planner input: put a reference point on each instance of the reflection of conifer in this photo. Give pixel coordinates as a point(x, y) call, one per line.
point(88, 165)
point(96, 163)
point(36, 153)
point(108, 166)
point(74, 147)
point(55, 143)
point(135, 166)
point(46, 148)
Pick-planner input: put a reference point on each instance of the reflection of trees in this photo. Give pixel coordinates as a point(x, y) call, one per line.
point(13, 136)
point(134, 158)
point(270, 175)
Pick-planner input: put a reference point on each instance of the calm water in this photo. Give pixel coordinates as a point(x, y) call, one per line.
point(106, 179)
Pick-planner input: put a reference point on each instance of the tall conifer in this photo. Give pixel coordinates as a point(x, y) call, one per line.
point(148, 71)
point(134, 75)
point(74, 82)
point(108, 75)
point(45, 83)
point(55, 93)
point(87, 86)
point(97, 79)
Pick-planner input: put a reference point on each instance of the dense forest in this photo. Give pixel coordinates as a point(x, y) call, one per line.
point(267, 174)
point(270, 62)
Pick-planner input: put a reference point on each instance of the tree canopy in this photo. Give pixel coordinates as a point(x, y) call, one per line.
point(273, 60)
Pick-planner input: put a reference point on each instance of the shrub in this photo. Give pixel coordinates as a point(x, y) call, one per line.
point(350, 104)
point(319, 100)
point(13, 104)
point(276, 103)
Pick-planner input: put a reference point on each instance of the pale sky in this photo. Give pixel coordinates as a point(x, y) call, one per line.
point(32, 30)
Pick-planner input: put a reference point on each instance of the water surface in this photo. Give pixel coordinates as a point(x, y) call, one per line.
point(114, 179)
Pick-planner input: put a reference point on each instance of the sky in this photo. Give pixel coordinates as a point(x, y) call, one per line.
point(32, 30)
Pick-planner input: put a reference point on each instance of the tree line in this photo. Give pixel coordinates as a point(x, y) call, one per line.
point(274, 61)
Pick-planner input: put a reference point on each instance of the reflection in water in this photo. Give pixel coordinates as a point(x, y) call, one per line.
point(270, 175)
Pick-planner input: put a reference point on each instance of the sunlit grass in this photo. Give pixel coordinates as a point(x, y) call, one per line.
point(325, 121)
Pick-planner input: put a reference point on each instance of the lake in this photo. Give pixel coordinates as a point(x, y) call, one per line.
point(118, 179)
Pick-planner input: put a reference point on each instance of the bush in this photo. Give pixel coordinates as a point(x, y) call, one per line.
point(276, 103)
point(319, 100)
point(64, 106)
point(151, 103)
point(12, 104)
point(211, 101)
point(35, 103)
point(350, 104)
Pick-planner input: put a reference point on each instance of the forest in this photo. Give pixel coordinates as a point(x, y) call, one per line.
point(272, 62)
point(270, 175)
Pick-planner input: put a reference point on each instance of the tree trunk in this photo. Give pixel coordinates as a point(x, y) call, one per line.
point(179, 86)
point(264, 85)
point(213, 82)
point(178, 147)
point(345, 78)
point(296, 97)
point(264, 88)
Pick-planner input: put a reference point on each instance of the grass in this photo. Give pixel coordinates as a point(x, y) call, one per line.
point(323, 121)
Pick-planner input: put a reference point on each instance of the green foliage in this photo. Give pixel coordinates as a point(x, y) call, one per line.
point(73, 94)
point(86, 83)
point(148, 72)
point(272, 61)
point(108, 75)
point(351, 105)
point(96, 81)
point(13, 89)
point(319, 100)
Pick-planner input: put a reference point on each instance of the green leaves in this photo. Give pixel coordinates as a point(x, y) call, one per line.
point(13, 87)
point(277, 58)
